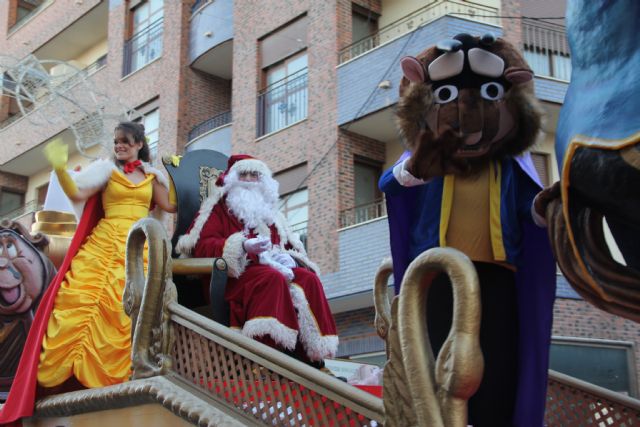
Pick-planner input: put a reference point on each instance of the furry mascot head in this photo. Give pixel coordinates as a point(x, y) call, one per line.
point(463, 102)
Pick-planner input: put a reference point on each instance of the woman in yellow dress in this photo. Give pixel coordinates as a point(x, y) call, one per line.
point(85, 334)
point(89, 335)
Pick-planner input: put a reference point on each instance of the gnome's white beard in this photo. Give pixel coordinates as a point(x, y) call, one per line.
point(254, 203)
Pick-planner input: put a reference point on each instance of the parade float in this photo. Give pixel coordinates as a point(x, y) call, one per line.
point(188, 368)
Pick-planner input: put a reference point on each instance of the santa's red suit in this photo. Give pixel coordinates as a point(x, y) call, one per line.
point(280, 306)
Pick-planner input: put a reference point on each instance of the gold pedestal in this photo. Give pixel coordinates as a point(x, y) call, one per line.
point(59, 228)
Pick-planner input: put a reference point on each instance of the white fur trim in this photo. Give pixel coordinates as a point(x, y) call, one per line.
point(281, 334)
point(251, 165)
point(159, 214)
point(147, 168)
point(95, 175)
point(234, 254)
point(539, 220)
point(317, 346)
point(405, 178)
point(188, 241)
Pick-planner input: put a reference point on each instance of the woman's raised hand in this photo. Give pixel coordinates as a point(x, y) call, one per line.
point(57, 154)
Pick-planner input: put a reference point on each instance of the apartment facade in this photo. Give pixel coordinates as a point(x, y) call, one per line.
point(310, 87)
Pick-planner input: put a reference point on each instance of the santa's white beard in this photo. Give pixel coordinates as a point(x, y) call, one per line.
point(254, 203)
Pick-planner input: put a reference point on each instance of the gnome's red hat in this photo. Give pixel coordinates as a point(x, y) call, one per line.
point(243, 163)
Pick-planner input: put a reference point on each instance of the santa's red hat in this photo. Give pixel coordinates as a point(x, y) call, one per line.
point(243, 163)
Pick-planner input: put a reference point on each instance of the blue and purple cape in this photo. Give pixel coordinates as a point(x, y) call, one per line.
point(536, 283)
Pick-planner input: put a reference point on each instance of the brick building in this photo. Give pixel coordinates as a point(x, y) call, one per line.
point(310, 87)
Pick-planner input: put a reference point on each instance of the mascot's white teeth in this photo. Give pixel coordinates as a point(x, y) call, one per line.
point(10, 295)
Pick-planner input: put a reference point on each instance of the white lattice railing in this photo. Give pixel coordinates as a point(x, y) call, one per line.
point(261, 382)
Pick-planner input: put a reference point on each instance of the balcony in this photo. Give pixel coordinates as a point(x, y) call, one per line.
point(212, 134)
point(363, 213)
point(283, 103)
point(143, 47)
point(52, 101)
point(362, 247)
point(546, 49)
point(368, 82)
point(211, 37)
point(424, 15)
point(78, 50)
point(363, 241)
point(81, 44)
point(24, 214)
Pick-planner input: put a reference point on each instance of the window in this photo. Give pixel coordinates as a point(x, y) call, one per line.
point(546, 63)
point(284, 100)
point(10, 201)
point(283, 59)
point(608, 364)
point(364, 24)
point(541, 163)
point(145, 43)
point(151, 122)
point(42, 194)
point(367, 195)
point(11, 109)
point(23, 9)
point(295, 208)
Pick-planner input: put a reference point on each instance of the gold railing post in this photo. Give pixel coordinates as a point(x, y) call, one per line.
point(417, 389)
point(146, 300)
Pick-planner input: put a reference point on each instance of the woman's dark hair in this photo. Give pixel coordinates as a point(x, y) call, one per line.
point(136, 130)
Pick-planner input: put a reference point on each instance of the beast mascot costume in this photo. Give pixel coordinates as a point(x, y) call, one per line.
point(468, 116)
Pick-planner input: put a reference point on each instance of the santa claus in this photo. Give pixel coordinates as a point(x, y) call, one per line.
point(273, 292)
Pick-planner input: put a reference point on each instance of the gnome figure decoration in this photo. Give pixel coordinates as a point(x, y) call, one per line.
point(25, 274)
point(468, 116)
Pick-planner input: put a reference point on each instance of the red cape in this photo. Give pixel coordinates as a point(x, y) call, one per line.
point(21, 399)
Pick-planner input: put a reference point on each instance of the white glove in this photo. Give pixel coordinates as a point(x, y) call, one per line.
point(257, 245)
point(285, 259)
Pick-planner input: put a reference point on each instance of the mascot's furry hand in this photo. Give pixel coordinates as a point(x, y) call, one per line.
point(544, 197)
point(256, 245)
point(57, 154)
point(434, 156)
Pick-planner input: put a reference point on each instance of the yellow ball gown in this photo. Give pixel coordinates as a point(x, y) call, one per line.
point(89, 334)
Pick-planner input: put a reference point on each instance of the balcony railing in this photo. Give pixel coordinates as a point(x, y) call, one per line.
point(363, 213)
point(546, 48)
point(27, 208)
point(62, 82)
point(95, 66)
point(210, 124)
point(198, 4)
point(422, 16)
point(142, 48)
point(301, 229)
point(283, 103)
